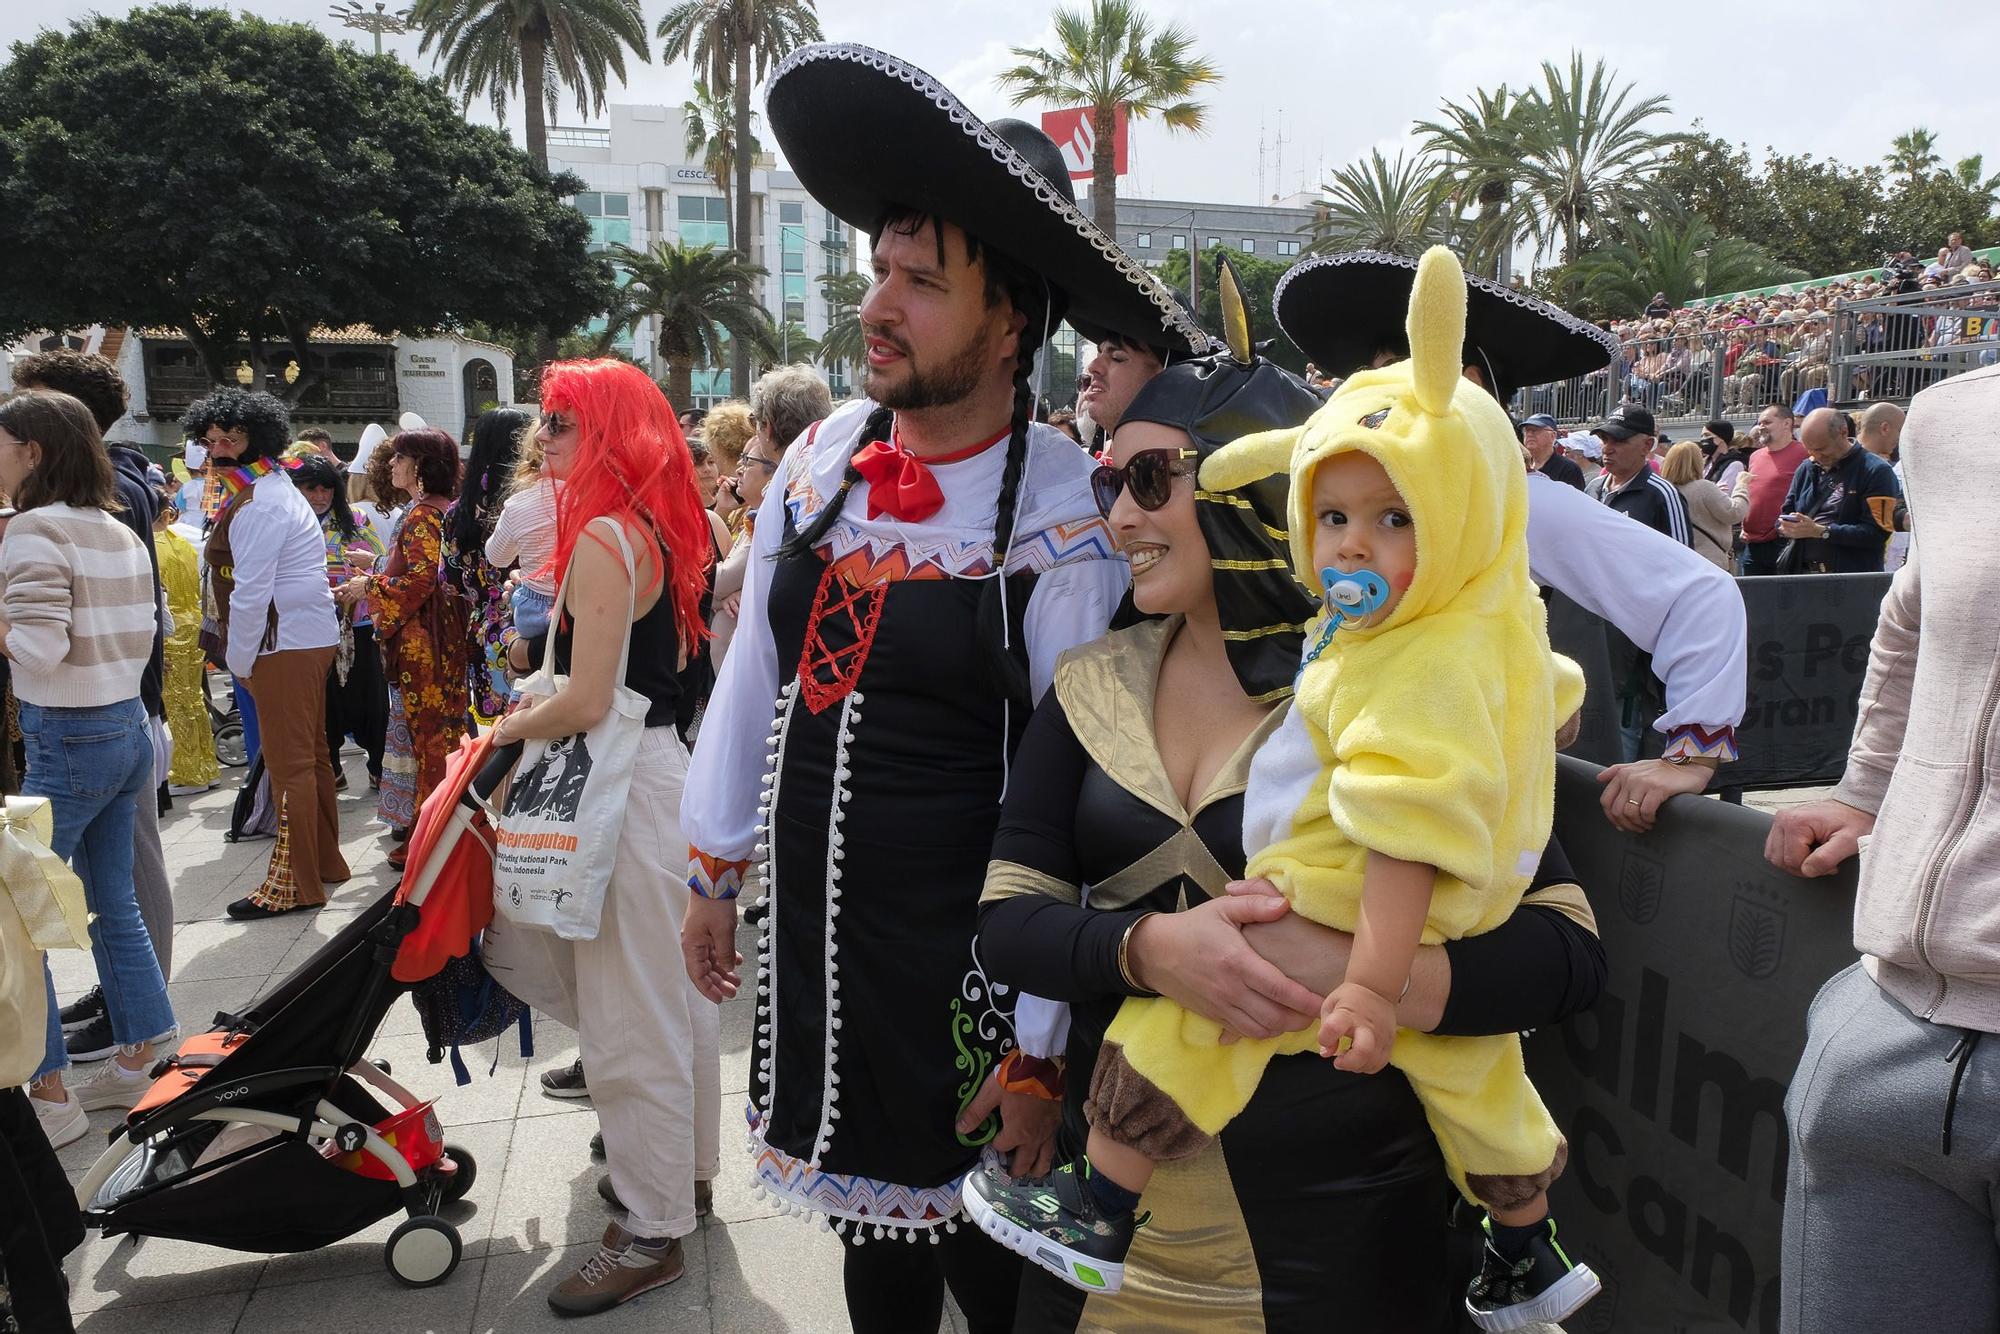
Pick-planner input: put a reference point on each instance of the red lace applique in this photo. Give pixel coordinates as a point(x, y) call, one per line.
point(863, 605)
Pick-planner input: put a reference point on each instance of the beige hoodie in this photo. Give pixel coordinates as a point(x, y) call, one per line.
point(1928, 738)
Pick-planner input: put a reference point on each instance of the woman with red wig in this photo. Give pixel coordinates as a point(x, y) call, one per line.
point(648, 1039)
point(422, 629)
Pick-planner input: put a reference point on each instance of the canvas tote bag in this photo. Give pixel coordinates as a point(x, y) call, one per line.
point(556, 837)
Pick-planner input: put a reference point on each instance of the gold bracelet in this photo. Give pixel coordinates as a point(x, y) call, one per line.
point(1124, 956)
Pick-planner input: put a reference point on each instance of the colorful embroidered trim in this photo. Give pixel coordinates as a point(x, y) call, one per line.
point(225, 482)
point(714, 877)
point(852, 1206)
point(1698, 742)
point(844, 665)
point(1037, 1076)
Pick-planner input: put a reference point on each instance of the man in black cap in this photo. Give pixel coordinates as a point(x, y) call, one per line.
point(1538, 438)
point(1628, 483)
point(920, 561)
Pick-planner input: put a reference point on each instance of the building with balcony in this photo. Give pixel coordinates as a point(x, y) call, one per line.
point(364, 377)
point(642, 190)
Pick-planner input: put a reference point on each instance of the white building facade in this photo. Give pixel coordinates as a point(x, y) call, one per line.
point(642, 190)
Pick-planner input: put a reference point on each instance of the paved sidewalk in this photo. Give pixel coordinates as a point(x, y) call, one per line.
point(533, 1214)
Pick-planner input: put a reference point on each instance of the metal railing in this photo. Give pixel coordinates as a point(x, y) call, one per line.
point(1882, 348)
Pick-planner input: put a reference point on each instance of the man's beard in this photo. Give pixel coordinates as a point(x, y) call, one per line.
point(951, 381)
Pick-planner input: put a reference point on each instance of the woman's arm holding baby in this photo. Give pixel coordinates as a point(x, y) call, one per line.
point(1395, 900)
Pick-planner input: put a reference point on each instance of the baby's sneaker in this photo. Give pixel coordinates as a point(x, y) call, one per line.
point(1055, 1222)
point(1540, 1286)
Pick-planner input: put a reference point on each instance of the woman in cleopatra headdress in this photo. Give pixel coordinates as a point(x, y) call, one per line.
point(1325, 1202)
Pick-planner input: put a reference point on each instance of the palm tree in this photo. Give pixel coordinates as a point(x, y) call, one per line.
point(1402, 207)
point(843, 340)
point(1102, 58)
point(1586, 158)
point(791, 345)
point(1913, 154)
point(1479, 140)
point(1971, 174)
point(711, 140)
point(1679, 254)
point(697, 297)
point(736, 42)
point(536, 46)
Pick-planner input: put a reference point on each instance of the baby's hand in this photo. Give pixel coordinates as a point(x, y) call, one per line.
point(1366, 1020)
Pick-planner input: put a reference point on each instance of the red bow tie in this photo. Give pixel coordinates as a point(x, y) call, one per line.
point(900, 484)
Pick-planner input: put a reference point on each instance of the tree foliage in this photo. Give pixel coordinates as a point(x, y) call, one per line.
point(843, 340)
point(1260, 283)
point(1108, 54)
point(710, 139)
point(246, 181)
point(535, 47)
point(1679, 254)
point(1404, 207)
point(697, 296)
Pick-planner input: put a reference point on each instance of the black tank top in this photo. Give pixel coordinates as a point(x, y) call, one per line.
point(653, 669)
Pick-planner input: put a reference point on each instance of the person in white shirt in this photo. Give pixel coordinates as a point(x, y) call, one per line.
point(277, 633)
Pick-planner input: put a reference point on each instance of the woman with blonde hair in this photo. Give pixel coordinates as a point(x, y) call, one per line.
point(1710, 521)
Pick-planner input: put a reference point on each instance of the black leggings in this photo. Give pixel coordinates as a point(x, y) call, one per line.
point(39, 1223)
point(361, 707)
point(897, 1287)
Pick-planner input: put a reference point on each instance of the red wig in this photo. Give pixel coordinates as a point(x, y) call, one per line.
point(631, 463)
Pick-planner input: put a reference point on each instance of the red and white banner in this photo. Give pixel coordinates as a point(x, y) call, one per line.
point(1074, 134)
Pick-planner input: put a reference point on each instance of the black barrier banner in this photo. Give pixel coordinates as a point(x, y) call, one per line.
point(1672, 1088)
point(1809, 636)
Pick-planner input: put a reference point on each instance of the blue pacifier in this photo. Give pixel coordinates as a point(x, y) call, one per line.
point(1350, 597)
point(1355, 595)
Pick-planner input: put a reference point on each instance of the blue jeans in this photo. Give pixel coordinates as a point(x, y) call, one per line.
point(93, 765)
point(531, 611)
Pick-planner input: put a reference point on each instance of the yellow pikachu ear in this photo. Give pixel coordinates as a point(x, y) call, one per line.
point(1250, 459)
point(1437, 329)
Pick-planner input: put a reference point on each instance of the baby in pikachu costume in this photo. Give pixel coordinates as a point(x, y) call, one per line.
point(1422, 736)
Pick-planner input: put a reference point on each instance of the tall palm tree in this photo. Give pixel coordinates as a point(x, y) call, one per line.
point(1913, 154)
point(1402, 207)
point(736, 42)
point(843, 340)
point(1479, 140)
point(791, 345)
point(711, 140)
point(1971, 174)
point(1105, 56)
point(1586, 155)
point(538, 47)
point(698, 298)
point(1679, 254)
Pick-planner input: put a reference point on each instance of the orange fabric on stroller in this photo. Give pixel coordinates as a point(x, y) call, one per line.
point(459, 903)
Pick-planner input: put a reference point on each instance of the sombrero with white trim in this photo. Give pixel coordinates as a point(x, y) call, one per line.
point(1341, 310)
point(866, 132)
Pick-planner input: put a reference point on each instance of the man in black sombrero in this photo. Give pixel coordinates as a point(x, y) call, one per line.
point(920, 561)
point(1122, 365)
point(1346, 312)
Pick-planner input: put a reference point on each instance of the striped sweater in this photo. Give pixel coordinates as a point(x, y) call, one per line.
point(76, 589)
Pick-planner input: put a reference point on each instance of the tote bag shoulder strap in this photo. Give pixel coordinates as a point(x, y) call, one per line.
point(617, 531)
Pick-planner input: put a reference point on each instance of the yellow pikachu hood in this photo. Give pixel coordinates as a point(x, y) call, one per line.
point(1446, 445)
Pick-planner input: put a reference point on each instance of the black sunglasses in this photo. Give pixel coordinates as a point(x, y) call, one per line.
point(1150, 474)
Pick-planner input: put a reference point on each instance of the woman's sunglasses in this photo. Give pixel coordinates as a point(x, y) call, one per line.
point(1149, 475)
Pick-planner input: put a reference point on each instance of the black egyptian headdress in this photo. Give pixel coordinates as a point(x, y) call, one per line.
point(1215, 400)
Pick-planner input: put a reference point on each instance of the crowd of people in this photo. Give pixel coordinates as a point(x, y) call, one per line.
point(1780, 344)
point(1224, 754)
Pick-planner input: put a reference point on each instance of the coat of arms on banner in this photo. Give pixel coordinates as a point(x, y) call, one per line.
point(1641, 881)
point(1756, 937)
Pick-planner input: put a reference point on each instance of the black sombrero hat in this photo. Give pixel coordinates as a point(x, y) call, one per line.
point(1340, 310)
point(865, 132)
point(1218, 399)
point(1169, 344)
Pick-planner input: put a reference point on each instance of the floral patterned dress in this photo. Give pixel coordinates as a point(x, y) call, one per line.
point(485, 589)
point(424, 657)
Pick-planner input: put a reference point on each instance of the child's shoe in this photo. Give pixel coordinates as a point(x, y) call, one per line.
point(1539, 1287)
point(1053, 1221)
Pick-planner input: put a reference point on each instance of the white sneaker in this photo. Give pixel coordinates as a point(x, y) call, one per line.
point(111, 1085)
point(63, 1122)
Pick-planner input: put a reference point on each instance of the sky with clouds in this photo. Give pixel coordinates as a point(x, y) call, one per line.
point(1831, 79)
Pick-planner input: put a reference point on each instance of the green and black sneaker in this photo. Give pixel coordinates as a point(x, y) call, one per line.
point(1541, 1287)
point(1053, 1221)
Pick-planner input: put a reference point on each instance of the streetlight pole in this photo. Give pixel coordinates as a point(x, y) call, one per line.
point(381, 19)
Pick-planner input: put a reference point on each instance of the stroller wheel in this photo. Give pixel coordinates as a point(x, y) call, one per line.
point(459, 1182)
point(421, 1251)
point(229, 747)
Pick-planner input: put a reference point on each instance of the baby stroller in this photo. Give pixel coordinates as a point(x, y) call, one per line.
point(270, 1132)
